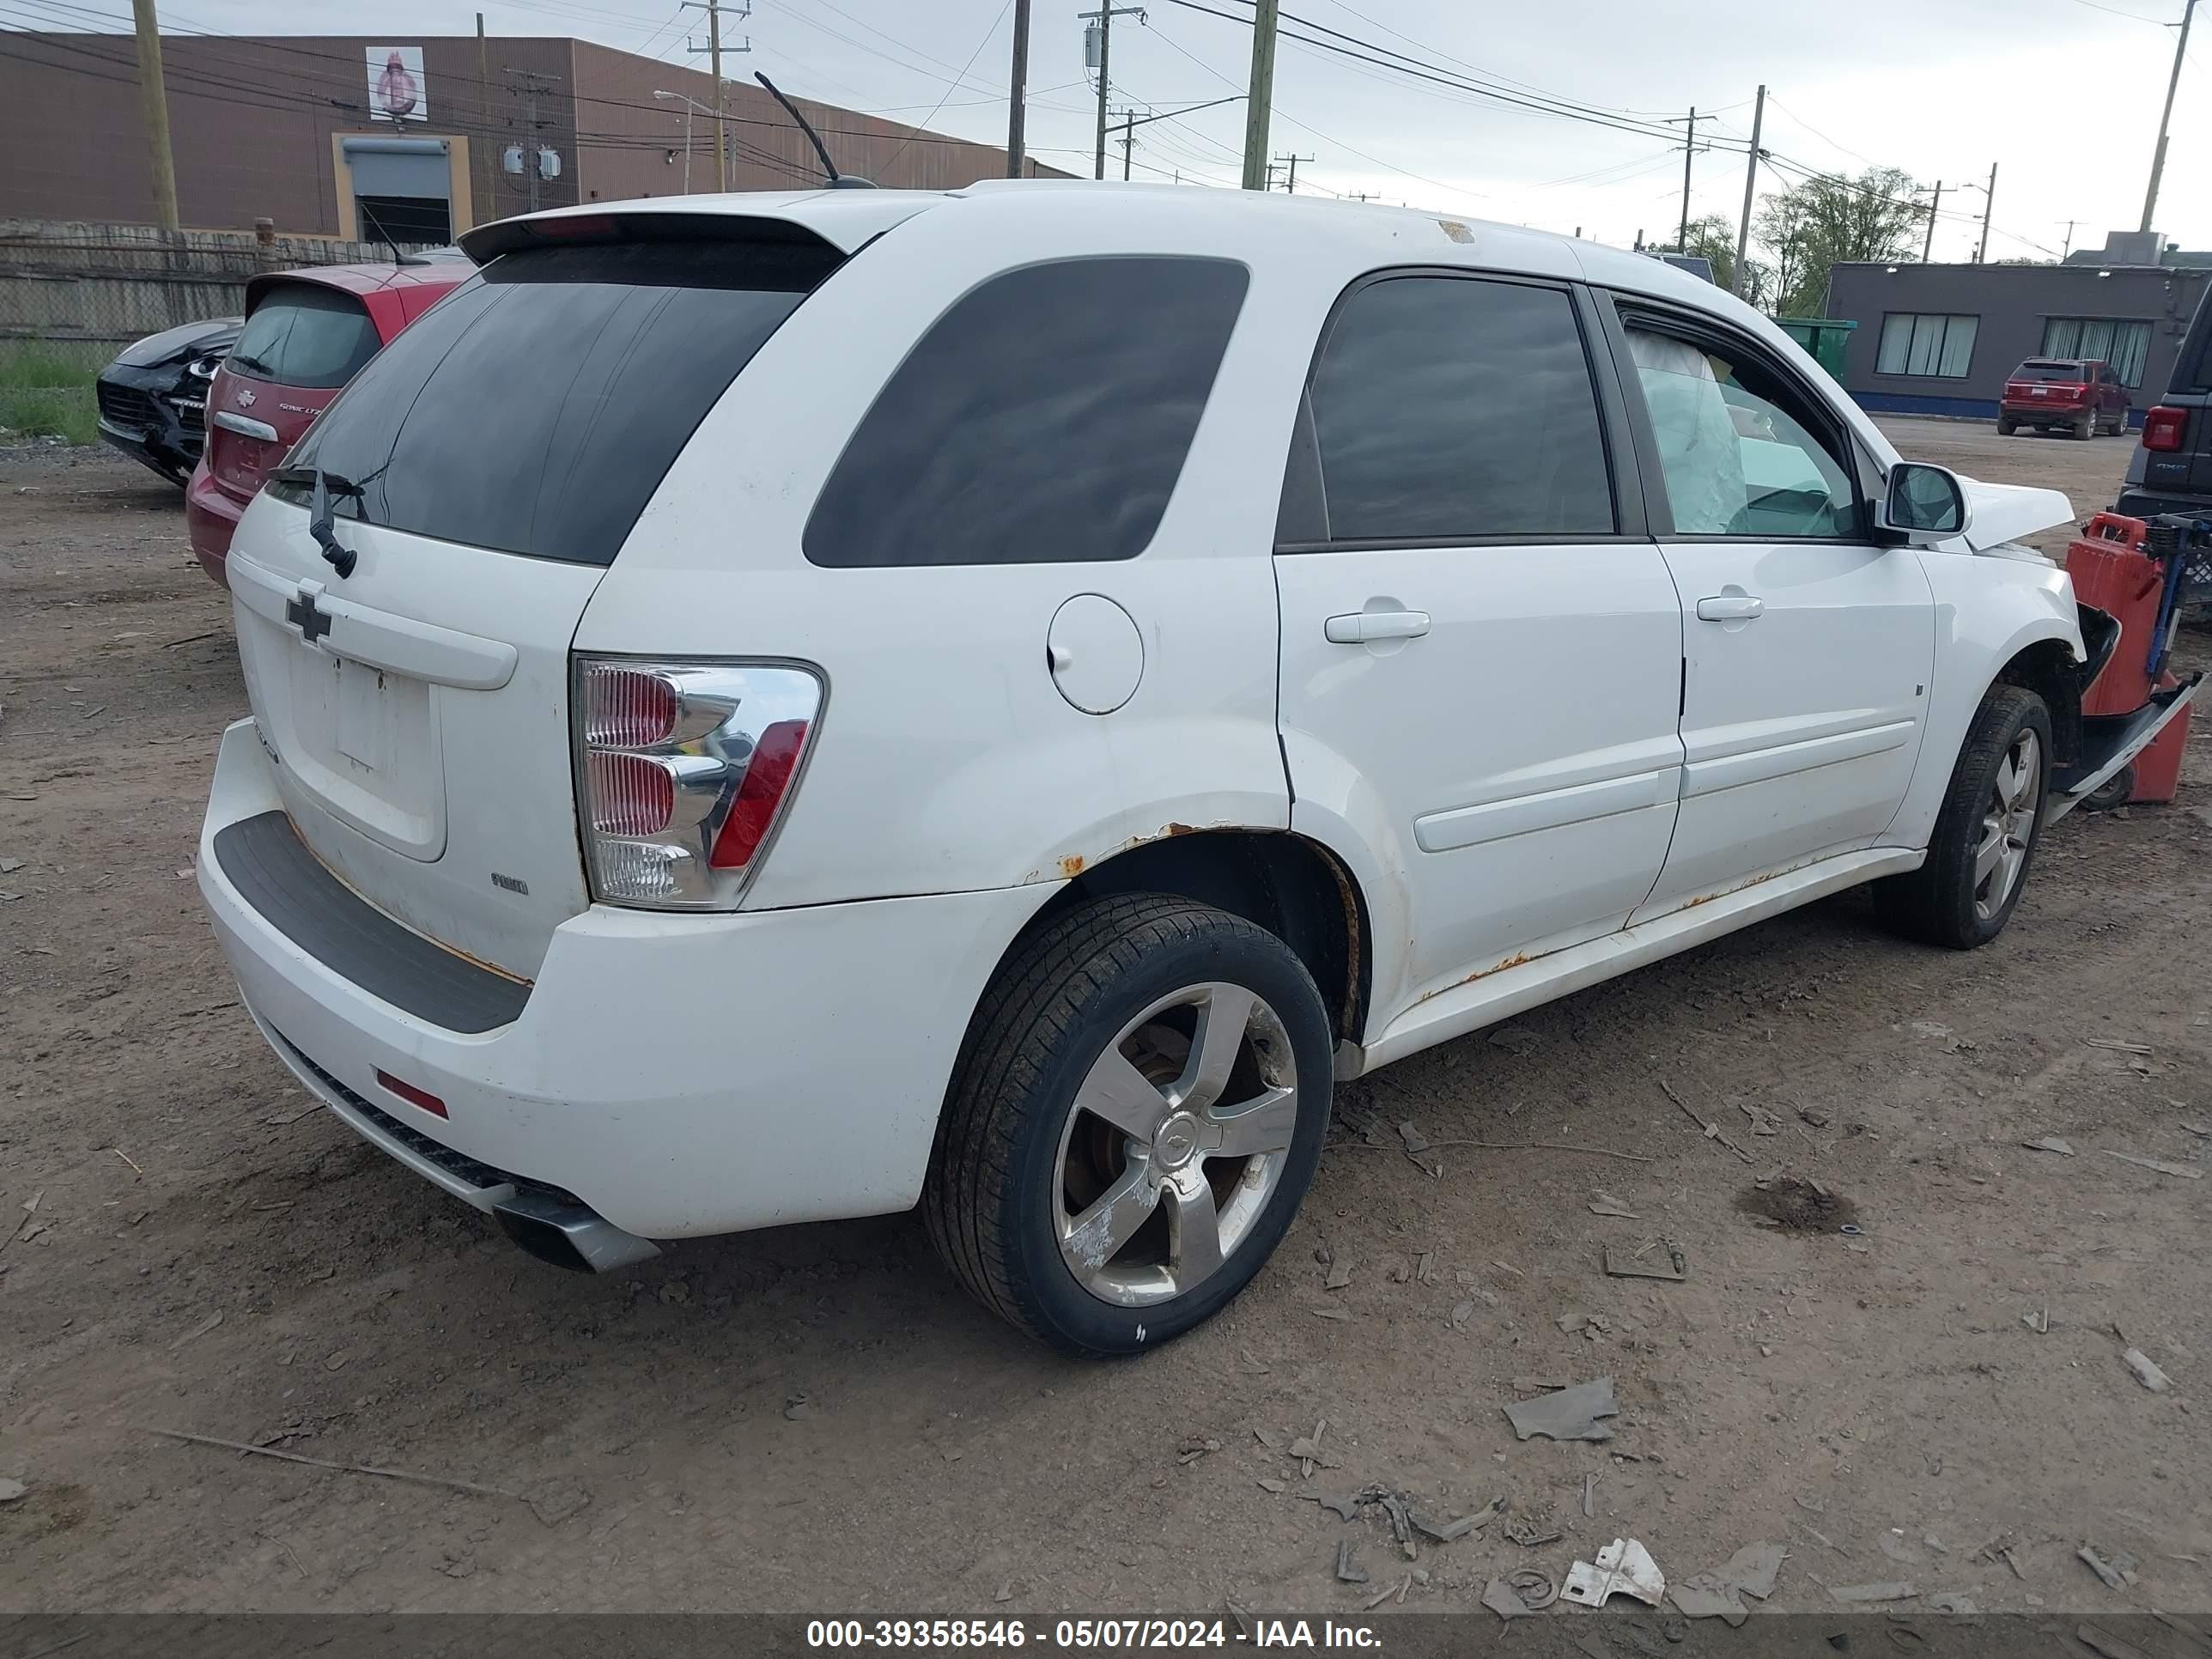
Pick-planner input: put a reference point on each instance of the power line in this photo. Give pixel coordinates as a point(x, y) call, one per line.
point(964, 68)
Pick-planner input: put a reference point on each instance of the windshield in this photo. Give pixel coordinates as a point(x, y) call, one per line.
point(536, 409)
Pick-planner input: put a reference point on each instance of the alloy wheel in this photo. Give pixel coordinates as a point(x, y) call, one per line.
point(1178, 1138)
point(2007, 825)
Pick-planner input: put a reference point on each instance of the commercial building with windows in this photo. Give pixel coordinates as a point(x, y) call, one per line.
point(414, 137)
point(1942, 339)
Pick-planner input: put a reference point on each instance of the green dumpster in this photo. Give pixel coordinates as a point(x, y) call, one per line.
point(1825, 338)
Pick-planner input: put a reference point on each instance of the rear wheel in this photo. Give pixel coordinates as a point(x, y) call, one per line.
point(2085, 425)
point(1138, 1110)
point(2116, 791)
point(1985, 834)
point(2007, 426)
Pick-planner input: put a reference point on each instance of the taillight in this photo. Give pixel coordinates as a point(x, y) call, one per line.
point(684, 771)
point(2164, 427)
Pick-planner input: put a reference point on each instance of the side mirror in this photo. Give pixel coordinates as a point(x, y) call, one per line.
point(1924, 504)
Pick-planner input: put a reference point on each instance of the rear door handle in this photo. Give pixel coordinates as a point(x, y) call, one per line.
point(1731, 607)
point(1362, 627)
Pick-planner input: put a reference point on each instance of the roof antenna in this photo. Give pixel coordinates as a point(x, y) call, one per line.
point(837, 180)
point(384, 236)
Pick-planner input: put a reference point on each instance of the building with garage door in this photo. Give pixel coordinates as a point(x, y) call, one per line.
point(1941, 339)
point(415, 137)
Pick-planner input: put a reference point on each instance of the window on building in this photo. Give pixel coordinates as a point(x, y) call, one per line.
point(1926, 342)
point(1449, 408)
point(2099, 339)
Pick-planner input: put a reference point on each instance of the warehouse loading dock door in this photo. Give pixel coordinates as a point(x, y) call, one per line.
point(402, 188)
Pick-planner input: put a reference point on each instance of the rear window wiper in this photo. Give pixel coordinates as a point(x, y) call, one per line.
point(327, 489)
point(248, 360)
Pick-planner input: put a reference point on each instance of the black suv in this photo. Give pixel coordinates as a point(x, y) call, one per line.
point(2171, 469)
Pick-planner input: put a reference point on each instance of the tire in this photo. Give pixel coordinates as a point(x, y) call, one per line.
point(1958, 898)
point(2007, 426)
point(2116, 791)
point(2085, 425)
point(1020, 1198)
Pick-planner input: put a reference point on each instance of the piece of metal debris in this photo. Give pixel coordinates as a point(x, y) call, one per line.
point(1268, 1484)
point(1330, 1313)
point(2049, 1144)
point(1340, 1276)
point(1606, 1204)
point(1449, 1531)
point(2146, 1370)
point(2037, 1320)
point(1462, 1314)
point(1415, 1141)
point(1345, 1504)
point(1889, 1590)
point(2164, 1166)
point(1274, 1439)
point(1719, 1593)
point(1569, 1414)
point(2118, 1573)
point(1499, 1598)
point(2119, 1047)
point(1347, 1564)
point(2104, 1642)
point(1590, 1496)
point(1637, 1264)
point(1529, 1534)
point(1624, 1567)
point(12, 1491)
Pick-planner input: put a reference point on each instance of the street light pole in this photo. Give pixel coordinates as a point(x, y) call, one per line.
point(2157, 156)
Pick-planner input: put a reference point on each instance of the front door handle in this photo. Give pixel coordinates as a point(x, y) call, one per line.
point(1731, 607)
point(1362, 627)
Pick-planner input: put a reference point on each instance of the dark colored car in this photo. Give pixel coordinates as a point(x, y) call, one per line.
point(2171, 469)
point(153, 397)
point(307, 333)
point(2064, 394)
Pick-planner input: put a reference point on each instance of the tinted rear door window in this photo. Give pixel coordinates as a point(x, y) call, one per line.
point(1043, 419)
point(305, 335)
point(1455, 408)
point(536, 409)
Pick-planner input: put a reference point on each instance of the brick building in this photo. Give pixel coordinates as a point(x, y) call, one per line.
point(294, 129)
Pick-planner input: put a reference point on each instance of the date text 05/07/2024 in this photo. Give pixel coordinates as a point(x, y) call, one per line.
point(1107, 1635)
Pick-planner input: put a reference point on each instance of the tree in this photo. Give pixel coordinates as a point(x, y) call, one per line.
point(1824, 222)
point(1713, 238)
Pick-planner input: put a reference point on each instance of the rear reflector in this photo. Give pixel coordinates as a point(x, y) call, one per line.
point(776, 757)
point(2164, 429)
point(413, 1096)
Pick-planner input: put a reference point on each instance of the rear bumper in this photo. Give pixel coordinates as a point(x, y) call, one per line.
point(679, 1075)
point(2049, 414)
point(210, 519)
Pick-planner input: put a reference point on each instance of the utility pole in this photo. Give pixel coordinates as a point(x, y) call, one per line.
point(2067, 246)
point(1104, 17)
point(1928, 248)
point(2158, 155)
point(1131, 121)
point(1261, 94)
point(1689, 150)
point(1016, 111)
point(1988, 207)
point(532, 83)
point(1750, 184)
point(1290, 187)
point(484, 210)
point(713, 49)
point(153, 102)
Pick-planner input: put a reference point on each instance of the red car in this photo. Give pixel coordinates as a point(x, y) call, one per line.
point(307, 333)
point(2064, 394)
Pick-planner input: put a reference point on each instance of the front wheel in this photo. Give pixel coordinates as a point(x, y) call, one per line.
point(1138, 1108)
point(1985, 833)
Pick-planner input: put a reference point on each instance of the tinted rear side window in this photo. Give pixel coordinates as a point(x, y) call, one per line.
point(1043, 419)
point(2049, 371)
point(536, 408)
point(1455, 408)
point(305, 335)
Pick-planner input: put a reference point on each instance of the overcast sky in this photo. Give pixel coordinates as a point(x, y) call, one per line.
point(2063, 94)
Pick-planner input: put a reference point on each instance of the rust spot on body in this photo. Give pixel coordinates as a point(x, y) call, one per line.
point(1072, 865)
point(1178, 829)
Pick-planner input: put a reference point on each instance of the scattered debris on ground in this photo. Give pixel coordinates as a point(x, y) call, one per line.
point(1657, 1260)
point(1798, 1205)
point(1719, 1592)
point(1569, 1414)
point(2049, 1144)
point(1624, 1567)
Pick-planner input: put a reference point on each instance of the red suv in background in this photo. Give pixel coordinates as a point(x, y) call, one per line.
point(2064, 394)
point(307, 333)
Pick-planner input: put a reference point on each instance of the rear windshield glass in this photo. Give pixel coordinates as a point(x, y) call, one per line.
point(2049, 371)
point(537, 407)
point(2192, 369)
point(305, 335)
point(1043, 419)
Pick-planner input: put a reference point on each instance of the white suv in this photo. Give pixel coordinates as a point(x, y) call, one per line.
point(774, 708)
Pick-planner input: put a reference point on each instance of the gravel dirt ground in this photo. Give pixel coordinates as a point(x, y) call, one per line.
point(814, 1420)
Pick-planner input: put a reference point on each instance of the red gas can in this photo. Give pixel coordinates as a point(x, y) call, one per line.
point(2112, 572)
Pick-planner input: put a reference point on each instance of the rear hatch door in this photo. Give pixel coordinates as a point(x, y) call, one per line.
point(302, 341)
point(481, 473)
